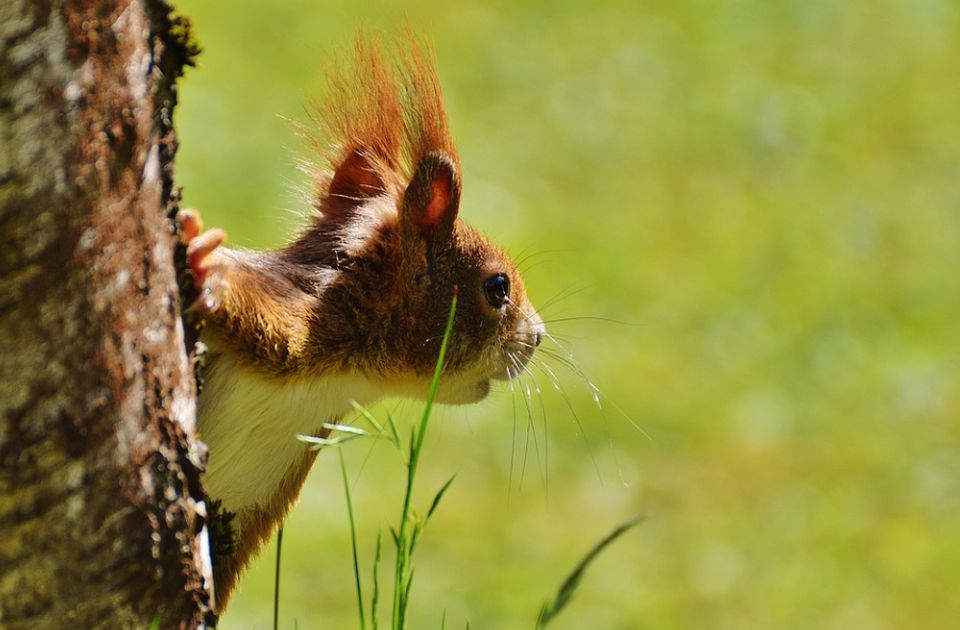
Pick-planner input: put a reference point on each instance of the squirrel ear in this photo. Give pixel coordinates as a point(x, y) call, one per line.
point(355, 181)
point(433, 195)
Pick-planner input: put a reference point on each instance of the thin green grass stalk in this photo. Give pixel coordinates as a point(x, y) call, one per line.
point(375, 599)
point(276, 581)
point(421, 524)
point(371, 420)
point(437, 497)
point(406, 592)
point(395, 435)
point(403, 574)
point(569, 587)
point(353, 540)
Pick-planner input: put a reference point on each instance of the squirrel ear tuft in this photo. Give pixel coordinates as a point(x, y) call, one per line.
point(433, 196)
point(355, 181)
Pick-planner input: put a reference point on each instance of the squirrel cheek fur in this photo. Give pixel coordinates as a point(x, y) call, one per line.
point(354, 308)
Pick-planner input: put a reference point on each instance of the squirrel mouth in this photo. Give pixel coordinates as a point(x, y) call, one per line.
point(519, 347)
point(515, 359)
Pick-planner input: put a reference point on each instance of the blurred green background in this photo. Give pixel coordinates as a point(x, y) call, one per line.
point(768, 193)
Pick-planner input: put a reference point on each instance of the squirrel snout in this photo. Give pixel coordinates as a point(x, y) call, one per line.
point(520, 344)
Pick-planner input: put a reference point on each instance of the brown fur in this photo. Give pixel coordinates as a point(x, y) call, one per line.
point(365, 289)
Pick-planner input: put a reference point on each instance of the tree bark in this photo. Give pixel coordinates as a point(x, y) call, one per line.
point(102, 520)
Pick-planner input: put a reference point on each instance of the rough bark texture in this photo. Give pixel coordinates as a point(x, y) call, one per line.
point(101, 511)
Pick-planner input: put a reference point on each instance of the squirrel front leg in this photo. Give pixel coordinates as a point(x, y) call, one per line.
point(249, 298)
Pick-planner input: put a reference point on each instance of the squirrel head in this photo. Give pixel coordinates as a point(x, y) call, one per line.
point(391, 248)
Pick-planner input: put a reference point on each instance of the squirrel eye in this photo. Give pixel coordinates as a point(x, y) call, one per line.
point(497, 290)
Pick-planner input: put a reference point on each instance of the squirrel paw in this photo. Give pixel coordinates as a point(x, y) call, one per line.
point(200, 246)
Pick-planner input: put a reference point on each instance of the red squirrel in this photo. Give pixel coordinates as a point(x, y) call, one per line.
point(354, 308)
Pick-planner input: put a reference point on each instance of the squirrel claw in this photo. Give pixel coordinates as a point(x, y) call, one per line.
point(199, 247)
point(190, 224)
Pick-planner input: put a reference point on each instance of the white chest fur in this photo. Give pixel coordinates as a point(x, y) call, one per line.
point(250, 422)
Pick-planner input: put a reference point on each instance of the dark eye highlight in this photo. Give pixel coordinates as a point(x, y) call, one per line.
point(497, 290)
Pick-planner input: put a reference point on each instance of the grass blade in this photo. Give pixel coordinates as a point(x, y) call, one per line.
point(434, 386)
point(375, 600)
point(353, 540)
point(344, 428)
point(436, 499)
point(403, 573)
point(366, 415)
point(316, 442)
point(276, 580)
point(552, 608)
point(395, 435)
point(406, 599)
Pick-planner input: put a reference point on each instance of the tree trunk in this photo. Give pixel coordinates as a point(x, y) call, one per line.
point(102, 520)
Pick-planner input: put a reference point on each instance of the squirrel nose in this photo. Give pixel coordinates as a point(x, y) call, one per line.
point(537, 337)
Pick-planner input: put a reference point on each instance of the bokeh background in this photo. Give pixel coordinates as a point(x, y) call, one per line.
point(767, 194)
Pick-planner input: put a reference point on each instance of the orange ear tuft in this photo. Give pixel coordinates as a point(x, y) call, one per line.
point(378, 122)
